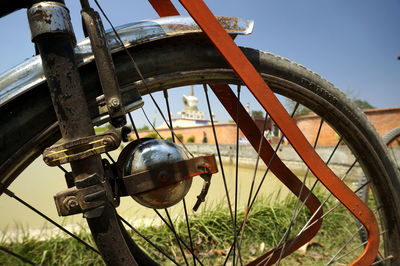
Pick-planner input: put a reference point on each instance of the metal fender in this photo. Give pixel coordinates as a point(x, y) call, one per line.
point(29, 74)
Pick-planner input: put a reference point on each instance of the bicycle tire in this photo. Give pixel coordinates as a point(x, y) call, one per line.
point(363, 193)
point(187, 60)
point(390, 136)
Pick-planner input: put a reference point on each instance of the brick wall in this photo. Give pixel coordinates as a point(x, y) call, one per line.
point(383, 120)
point(226, 133)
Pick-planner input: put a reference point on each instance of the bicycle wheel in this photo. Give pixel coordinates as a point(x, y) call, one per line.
point(185, 61)
point(391, 139)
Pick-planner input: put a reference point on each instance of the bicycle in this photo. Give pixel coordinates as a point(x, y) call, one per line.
point(165, 63)
point(391, 139)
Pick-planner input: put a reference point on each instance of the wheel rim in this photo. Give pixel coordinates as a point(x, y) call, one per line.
point(225, 75)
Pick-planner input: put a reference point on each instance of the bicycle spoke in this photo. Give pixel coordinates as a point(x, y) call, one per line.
point(331, 209)
point(236, 243)
point(219, 158)
point(297, 213)
point(294, 216)
point(147, 240)
point(183, 200)
point(112, 160)
point(351, 251)
point(308, 224)
point(134, 126)
point(317, 181)
point(12, 195)
point(63, 169)
point(180, 239)
point(141, 77)
point(25, 260)
point(332, 260)
point(176, 236)
point(151, 124)
point(171, 128)
point(361, 227)
point(243, 225)
point(383, 260)
point(263, 178)
point(189, 232)
point(270, 162)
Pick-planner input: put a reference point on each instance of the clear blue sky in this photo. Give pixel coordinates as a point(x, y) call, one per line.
point(353, 44)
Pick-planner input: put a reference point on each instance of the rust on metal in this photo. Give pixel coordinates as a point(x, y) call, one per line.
point(104, 63)
point(164, 8)
point(63, 79)
point(48, 18)
point(264, 95)
point(80, 199)
point(229, 50)
point(82, 148)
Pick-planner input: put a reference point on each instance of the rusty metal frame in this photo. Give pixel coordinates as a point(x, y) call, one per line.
point(251, 78)
point(69, 101)
point(104, 63)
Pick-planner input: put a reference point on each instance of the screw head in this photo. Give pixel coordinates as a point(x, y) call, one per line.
point(114, 103)
point(70, 202)
point(107, 141)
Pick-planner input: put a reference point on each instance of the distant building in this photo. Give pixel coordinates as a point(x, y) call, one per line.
point(190, 116)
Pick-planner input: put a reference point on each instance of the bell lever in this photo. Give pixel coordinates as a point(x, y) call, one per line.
point(105, 67)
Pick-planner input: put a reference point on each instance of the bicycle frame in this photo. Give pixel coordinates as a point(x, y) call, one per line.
point(224, 43)
point(243, 68)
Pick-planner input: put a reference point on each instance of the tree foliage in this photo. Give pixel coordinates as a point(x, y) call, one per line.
point(363, 105)
point(300, 109)
point(257, 113)
point(143, 128)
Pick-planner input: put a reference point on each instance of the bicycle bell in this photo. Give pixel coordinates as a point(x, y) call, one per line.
point(146, 155)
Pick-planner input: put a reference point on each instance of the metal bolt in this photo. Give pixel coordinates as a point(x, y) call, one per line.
point(114, 103)
point(108, 141)
point(70, 202)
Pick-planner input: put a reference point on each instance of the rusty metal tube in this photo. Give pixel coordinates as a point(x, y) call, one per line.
point(104, 63)
point(55, 44)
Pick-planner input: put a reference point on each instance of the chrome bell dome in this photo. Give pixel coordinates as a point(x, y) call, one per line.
point(147, 155)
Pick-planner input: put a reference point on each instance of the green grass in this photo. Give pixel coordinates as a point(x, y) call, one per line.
point(265, 225)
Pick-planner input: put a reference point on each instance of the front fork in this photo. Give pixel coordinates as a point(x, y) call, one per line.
point(52, 32)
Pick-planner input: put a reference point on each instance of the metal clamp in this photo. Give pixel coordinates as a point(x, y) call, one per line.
point(88, 194)
point(105, 66)
point(84, 147)
point(49, 17)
